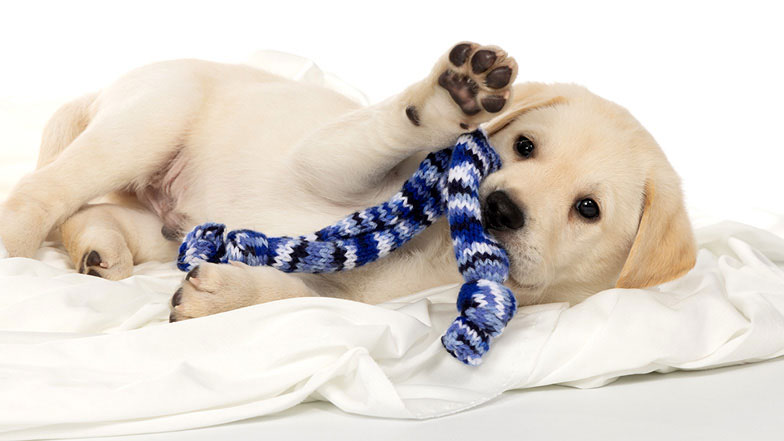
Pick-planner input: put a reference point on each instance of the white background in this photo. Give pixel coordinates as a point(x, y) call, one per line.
point(704, 77)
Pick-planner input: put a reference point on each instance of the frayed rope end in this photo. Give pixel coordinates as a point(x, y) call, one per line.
point(205, 243)
point(208, 243)
point(485, 307)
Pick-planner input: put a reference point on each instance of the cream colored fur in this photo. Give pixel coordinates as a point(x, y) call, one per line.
point(183, 142)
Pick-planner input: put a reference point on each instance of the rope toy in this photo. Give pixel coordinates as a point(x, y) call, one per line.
point(446, 181)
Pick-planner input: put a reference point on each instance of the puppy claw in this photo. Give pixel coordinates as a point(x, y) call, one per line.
point(176, 298)
point(194, 273)
point(111, 264)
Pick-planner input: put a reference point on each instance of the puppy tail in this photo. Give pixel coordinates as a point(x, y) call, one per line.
point(64, 126)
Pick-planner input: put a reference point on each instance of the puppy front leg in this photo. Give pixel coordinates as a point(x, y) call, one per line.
point(358, 152)
point(212, 288)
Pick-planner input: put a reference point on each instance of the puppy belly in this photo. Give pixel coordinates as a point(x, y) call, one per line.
point(162, 192)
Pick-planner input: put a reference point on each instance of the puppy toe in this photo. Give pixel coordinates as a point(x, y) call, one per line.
point(499, 77)
point(482, 60)
point(207, 277)
point(493, 103)
point(459, 54)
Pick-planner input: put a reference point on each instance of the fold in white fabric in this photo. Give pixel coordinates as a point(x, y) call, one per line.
point(82, 356)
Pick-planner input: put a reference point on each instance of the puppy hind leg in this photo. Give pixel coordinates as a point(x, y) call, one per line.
point(68, 122)
point(128, 140)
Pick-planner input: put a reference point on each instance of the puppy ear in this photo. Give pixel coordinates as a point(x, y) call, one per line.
point(664, 248)
point(526, 97)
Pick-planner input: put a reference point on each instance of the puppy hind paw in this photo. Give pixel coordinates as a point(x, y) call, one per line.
point(111, 265)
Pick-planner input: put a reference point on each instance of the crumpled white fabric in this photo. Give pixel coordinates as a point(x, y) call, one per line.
point(82, 356)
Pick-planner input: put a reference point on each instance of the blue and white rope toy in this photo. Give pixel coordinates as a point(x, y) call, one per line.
point(446, 181)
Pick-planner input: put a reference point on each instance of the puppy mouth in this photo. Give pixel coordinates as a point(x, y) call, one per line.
point(521, 269)
point(524, 286)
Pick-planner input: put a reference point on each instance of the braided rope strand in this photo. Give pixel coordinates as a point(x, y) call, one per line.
point(357, 239)
point(484, 303)
point(446, 182)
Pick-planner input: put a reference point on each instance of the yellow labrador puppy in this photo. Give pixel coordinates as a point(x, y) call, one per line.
point(585, 201)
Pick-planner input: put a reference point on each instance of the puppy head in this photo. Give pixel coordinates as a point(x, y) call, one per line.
point(585, 200)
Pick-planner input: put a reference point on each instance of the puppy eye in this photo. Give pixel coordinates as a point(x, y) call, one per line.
point(524, 147)
point(588, 208)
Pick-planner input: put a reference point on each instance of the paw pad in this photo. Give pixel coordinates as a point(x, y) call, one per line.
point(90, 261)
point(478, 78)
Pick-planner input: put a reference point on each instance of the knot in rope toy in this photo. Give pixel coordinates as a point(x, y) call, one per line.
point(447, 181)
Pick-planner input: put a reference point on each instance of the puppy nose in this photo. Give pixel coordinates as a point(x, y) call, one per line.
point(502, 213)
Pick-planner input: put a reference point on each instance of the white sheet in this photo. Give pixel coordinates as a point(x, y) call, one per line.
point(726, 404)
point(81, 356)
point(84, 356)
